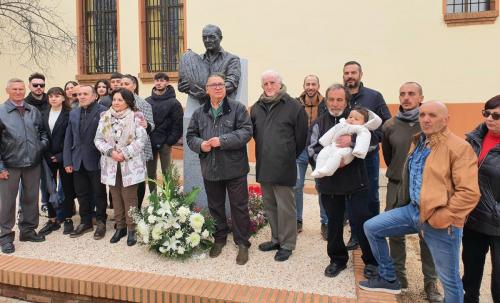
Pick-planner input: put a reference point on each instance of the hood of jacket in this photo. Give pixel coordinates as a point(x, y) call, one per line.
point(169, 94)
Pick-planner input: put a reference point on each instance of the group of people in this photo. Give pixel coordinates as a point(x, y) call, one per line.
point(440, 186)
point(74, 141)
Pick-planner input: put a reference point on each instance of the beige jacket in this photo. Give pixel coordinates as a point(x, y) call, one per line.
point(450, 188)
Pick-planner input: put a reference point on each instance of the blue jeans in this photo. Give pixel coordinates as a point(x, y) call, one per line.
point(444, 245)
point(302, 162)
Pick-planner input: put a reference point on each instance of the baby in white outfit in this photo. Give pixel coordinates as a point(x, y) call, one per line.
point(359, 122)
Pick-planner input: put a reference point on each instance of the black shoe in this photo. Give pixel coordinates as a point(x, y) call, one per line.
point(49, 227)
point(370, 271)
point(119, 233)
point(352, 244)
point(31, 236)
point(80, 230)
point(268, 246)
point(324, 231)
point(100, 230)
point(216, 249)
point(8, 248)
point(333, 269)
point(282, 254)
point(132, 238)
point(299, 226)
point(68, 227)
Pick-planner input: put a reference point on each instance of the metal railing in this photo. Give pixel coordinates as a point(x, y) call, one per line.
point(467, 6)
point(164, 34)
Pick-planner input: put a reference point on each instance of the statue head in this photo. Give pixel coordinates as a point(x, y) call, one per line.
point(212, 36)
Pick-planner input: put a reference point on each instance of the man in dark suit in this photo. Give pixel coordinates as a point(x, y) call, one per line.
point(81, 158)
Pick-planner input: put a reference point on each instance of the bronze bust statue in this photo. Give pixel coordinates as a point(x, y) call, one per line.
point(195, 69)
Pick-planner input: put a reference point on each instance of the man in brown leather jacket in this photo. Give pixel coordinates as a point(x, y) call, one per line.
point(440, 188)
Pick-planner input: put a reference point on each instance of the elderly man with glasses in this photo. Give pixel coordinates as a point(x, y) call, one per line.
point(219, 132)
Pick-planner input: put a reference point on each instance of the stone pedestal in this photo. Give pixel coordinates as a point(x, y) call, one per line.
point(192, 169)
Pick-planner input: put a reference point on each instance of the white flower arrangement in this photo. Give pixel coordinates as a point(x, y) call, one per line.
point(171, 225)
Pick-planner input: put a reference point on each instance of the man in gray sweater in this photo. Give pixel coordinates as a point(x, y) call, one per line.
point(397, 134)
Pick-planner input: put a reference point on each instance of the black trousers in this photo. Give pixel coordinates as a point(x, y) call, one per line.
point(475, 248)
point(68, 188)
point(88, 188)
point(335, 207)
point(237, 190)
point(141, 192)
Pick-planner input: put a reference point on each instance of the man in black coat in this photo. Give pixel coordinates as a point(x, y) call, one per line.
point(280, 133)
point(81, 158)
point(374, 101)
point(347, 186)
point(167, 116)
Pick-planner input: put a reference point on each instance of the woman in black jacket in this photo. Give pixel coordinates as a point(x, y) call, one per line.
point(482, 229)
point(349, 184)
point(55, 121)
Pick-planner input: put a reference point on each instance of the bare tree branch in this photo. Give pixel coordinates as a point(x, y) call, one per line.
point(34, 32)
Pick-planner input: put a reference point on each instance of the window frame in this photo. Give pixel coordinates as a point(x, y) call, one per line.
point(471, 18)
point(82, 76)
point(144, 74)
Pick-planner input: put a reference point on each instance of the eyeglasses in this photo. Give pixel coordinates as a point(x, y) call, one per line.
point(487, 113)
point(216, 85)
point(42, 85)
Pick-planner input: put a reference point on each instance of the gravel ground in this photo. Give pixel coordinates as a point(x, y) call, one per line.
point(302, 272)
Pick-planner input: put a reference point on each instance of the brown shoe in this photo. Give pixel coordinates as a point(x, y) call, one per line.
point(432, 292)
point(242, 257)
point(324, 231)
point(100, 231)
point(216, 250)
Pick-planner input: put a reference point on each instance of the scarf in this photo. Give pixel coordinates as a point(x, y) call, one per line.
point(119, 127)
point(408, 116)
point(275, 98)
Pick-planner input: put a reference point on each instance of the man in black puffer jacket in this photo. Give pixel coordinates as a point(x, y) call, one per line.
point(167, 116)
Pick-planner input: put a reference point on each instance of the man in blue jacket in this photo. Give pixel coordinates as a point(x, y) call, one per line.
point(374, 101)
point(81, 158)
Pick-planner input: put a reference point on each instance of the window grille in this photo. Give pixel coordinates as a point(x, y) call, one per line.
point(467, 6)
point(164, 34)
point(100, 36)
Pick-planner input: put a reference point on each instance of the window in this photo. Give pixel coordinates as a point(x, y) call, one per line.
point(162, 36)
point(462, 12)
point(467, 6)
point(99, 42)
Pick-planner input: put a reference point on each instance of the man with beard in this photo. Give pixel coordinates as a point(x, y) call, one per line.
point(312, 100)
point(396, 141)
point(167, 116)
point(37, 96)
point(280, 133)
point(374, 101)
